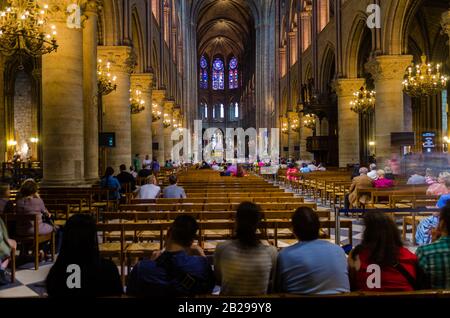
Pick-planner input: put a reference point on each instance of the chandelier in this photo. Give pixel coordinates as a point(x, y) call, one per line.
point(24, 29)
point(136, 102)
point(156, 114)
point(284, 126)
point(424, 79)
point(105, 80)
point(166, 122)
point(295, 126)
point(309, 121)
point(363, 101)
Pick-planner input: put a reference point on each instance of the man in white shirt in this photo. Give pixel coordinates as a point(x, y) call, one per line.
point(147, 163)
point(373, 172)
point(149, 190)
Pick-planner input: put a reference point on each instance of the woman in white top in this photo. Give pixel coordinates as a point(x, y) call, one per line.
point(150, 190)
point(244, 266)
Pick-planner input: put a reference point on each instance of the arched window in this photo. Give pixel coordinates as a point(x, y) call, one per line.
point(222, 111)
point(204, 110)
point(203, 73)
point(218, 75)
point(236, 110)
point(233, 79)
point(233, 110)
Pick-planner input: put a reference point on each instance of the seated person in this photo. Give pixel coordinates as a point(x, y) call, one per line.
point(305, 168)
point(312, 266)
point(150, 190)
point(125, 177)
point(381, 182)
point(244, 265)
point(442, 186)
point(416, 179)
point(240, 171)
point(312, 166)
point(388, 173)
point(28, 202)
point(133, 172)
point(382, 245)
point(426, 227)
point(6, 205)
point(110, 182)
point(373, 172)
point(429, 176)
point(6, 244)
point(173, 191)
point(321, 167)
point(291, 171)
point(361, 182)
point(181, 269)
point(434, 259)
point(99, 277)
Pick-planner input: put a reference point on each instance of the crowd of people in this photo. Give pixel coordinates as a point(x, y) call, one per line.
point(248, 265)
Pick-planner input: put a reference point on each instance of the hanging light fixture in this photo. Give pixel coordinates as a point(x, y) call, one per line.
point(156, 114)
point(309, 121)
point(166, 121)
point(284, 126)
point(424, 79)
point(24, 29)
point(363, 101)
point(105, 80)
point(295, 125)
point(137, 104)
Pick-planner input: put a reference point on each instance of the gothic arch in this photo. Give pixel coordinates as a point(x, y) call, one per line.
point(327, 66)
point(110, 22)
point(138, 41)
point(354, 45)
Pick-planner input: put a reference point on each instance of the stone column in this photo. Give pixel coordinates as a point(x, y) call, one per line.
point(90, 92)
point(3, 119)
point(168, 143)
point(117, 117)
point(62, 103)
point(388, 72)
point(445, 22)
point(292, 139)
point(141, 124)
point(348, 120)
point(158, 97)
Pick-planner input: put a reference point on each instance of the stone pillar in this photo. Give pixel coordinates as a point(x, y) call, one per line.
point(158, 97)
point(3, 140)
point(141, 124)
point(388, 72)
point(90, 92)
point(117, 117)
point(445, 22)
point(348, 121)
point(168, 116)
point(62, 104)
point(292, 137)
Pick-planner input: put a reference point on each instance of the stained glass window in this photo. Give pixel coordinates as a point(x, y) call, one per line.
point(203, 73)
point(233, 79)
point(218, 75)
point(236, 110)
point(222, 111)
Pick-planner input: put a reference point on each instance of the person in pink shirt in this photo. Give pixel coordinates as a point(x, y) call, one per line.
point(442, 186)
point(290, 172)
point(382, 182)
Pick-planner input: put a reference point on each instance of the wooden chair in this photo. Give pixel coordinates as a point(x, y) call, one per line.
point(34, 239)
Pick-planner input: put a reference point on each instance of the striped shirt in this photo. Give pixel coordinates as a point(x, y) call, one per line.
point(434, 259)
point(244, 271)
point(423, 232)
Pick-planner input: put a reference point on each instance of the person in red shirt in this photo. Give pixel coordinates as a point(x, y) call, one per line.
point(381, 263)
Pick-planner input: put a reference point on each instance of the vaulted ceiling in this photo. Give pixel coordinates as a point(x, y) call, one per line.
point(224, 27)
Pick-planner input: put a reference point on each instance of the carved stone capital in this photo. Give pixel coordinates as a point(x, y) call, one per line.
point(445, 22)
point(168, 106)
point(122, 58)
point(158, 95)
point(389, 67)
point(347, 86)
point(57, 9)
point(142, 82)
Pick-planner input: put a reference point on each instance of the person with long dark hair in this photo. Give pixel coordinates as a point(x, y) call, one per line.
point(380, 262)
point(245, 266)
point(80, 254)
